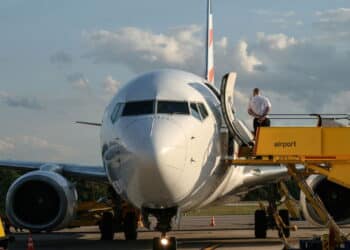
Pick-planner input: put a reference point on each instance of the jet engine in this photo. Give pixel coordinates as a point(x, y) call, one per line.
point(41, 201)
point(334, 197)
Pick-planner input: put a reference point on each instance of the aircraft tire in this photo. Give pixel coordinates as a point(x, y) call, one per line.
point(106, 226)
point(130, 226)
point(172, 243)
point(156, 244)
point(284, 214)
point(4, 244)
point(260, 225)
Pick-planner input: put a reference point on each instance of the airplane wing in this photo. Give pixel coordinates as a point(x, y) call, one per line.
point(255, 176)
point(96, 173)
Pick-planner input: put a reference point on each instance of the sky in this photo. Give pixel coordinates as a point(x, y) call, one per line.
point(62, 61)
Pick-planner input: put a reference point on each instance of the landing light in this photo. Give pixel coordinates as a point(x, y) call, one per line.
point(164, 241)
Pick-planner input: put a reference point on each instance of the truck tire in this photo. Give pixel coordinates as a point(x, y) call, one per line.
point(260, 224)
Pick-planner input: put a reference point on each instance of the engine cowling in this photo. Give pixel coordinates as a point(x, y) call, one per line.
point(334, 197)
point(41, 201)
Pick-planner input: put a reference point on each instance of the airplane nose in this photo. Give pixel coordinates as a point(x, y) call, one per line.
point(157, 150)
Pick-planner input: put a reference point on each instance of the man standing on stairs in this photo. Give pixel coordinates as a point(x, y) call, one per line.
point(259, 107)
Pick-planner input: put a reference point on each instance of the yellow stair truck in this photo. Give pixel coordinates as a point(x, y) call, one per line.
point(3, 237)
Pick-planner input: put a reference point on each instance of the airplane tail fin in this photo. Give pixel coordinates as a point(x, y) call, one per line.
point(210, 71)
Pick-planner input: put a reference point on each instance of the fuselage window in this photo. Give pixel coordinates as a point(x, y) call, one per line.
point(116, 112)
point(202, 110)
point(138, 108)
point(195, 111)
point(173, 107)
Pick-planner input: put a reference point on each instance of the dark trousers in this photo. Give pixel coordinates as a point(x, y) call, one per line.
point(264, 123)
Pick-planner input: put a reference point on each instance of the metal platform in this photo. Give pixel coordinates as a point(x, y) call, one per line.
point(321, 150)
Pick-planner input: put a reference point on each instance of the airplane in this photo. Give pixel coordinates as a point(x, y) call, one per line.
point(164, 138)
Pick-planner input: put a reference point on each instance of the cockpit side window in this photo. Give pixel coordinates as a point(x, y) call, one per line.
point(173, 107)
point(138, 108)
point(116, 112)
point(202, 110)
point(194, 111)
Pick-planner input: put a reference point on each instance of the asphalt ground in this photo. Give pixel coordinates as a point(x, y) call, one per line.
point(195, 232)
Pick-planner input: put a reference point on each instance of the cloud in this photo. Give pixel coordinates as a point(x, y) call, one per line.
point(306, 72)
point(21, 101)
point(248, 61)
point(110, 85)
point(41, 143)
point(78, 80)
point(181, 48)
point(32, 147)
point(341, 15)
point(278, 41)
point(61, 58)
point(223, 43)
point(277, 63)
point(338, 103)
point(283, 19)
point(264, 12)
point(299, 23)
point(334, 24)
point(142, 50)
point(6, 145)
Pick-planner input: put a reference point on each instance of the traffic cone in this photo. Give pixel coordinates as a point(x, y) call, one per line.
point(212, 221)
point(30, 243)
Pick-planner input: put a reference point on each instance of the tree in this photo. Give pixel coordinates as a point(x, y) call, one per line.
point(6, 179)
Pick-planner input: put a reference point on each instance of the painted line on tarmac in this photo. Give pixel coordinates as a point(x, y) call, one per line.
point(211, 247)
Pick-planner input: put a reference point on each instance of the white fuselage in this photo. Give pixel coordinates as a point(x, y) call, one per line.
point(156, 158)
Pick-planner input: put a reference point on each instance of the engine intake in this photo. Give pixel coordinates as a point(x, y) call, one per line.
point(334, 197)
point(41, 201)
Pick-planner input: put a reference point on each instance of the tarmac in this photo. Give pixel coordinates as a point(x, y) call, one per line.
point(195, 232)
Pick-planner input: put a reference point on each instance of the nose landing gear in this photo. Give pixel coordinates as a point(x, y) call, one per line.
point(164, 217)
point(164, 243)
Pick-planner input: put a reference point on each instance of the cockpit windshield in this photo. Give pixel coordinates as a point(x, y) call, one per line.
point(138, 108)
point(147, 107)
point(173, 107)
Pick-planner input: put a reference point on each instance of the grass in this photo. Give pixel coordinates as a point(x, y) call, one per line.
point(225, 210)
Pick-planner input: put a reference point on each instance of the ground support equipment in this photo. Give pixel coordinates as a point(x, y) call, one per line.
point(306, 151)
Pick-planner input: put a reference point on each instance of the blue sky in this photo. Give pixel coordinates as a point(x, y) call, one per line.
point(62, 61)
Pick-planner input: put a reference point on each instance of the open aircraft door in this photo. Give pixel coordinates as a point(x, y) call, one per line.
point(236, 127)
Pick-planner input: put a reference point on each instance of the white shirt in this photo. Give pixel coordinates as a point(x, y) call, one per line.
point(259, 104)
